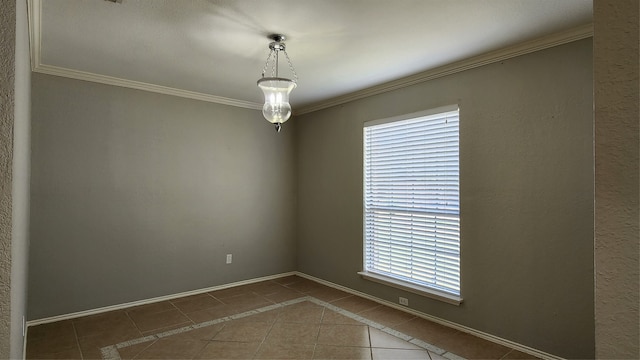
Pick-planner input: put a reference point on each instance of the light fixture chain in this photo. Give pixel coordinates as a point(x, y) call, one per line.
point(275, 65)
point(266, 64)
point(295, 75)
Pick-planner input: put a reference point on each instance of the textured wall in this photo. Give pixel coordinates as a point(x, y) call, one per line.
point(7, 76)
point(616, 178)
point(526, 196)
point(136, 195)
point(21, 169)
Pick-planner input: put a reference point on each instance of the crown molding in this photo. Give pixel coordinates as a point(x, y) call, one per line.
point(34, 9)
point(575, 34)
point(109, 80)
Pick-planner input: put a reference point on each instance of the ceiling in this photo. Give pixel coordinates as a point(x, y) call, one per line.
point(215, 50)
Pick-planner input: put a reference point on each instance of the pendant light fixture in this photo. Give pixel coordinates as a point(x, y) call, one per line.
point(276, 89)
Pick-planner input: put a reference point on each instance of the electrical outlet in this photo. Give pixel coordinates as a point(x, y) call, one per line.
point(403, 301)
point(229, 258)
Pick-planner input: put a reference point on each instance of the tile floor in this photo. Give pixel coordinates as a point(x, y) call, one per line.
point(286, 318)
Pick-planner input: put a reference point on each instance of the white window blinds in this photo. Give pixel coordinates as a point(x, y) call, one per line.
point(411, 200)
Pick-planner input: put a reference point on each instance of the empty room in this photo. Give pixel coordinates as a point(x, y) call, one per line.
point(319, 179)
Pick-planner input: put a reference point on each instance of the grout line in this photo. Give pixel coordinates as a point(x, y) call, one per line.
point(315, 343)
point(141, 351)
point(370, 342)
point(126, 313)
point(204, 324)
point(266, 336)
point(181, 312)
point(111, 352)
point(75, 332)
point(145, 349)
point(508, 352)
point(263, 340)
point(387, 330)
point(209, 341)
point(429, 347)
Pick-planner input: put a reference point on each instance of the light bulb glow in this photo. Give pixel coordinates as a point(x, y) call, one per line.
point(276, 107)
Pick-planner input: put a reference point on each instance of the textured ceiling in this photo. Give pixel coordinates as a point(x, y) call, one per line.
point(218, 47)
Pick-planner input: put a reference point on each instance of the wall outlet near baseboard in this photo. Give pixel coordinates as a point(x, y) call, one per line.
point(229, 258)
point(403, 301)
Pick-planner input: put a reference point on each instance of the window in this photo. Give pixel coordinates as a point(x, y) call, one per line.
point(412, 203)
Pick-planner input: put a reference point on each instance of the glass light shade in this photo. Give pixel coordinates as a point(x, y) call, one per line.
point(276, 107)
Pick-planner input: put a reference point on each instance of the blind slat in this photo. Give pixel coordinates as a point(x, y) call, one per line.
point(412, 202)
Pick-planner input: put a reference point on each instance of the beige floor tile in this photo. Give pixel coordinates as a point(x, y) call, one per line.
point(91, 345)
point(471, 347)
point(305, 286)
point(344, 335)
point(243, 331)
point(298, 331)
point(266, 287)
point(355, 304)
point(303, 312)
point(194, 303)
point(150, 308)
point(283, 295)
point(287, 280)
point(428, 331)
point(42, 346)
point(147, 322)
point(281, 350)
point(54, 348)
point(205, 333)
point(232, 291)
point(459, 343)
point(435, 356)
point(332, 317)
point(114, 321)
point(293, 333)
point(228, 350)
point(328, 294)
point(172, 349)
point(380, 339)
point(247, 301)
point(267, 316)
point(167, 328)
point(59, 328)
point(66, 354)
point(214, 313)
point(387, 316)
point(397, 354)
point(341, 352)
point(130, 352)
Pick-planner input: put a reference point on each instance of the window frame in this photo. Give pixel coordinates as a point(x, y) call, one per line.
point(454, 299)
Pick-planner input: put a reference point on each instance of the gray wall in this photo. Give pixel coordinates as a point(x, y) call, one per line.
point(616, 179)
point(136, 195)
point(526, 196)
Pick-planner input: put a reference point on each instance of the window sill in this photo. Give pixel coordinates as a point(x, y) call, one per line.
point(430, 293)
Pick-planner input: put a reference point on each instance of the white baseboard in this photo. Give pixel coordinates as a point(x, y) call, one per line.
point(466, 329)
point(152, 300)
